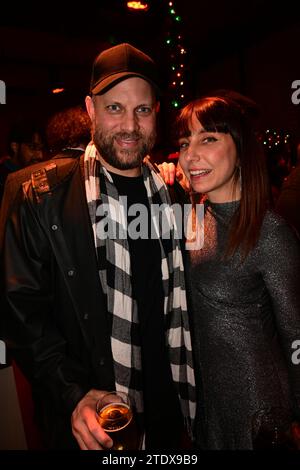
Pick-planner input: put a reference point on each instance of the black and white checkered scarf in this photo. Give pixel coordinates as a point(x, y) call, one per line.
point(115, 275)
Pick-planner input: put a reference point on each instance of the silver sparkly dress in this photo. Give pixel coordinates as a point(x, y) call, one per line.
point(246, 318)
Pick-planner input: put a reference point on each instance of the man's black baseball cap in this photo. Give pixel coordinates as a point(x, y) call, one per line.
point(118, 63)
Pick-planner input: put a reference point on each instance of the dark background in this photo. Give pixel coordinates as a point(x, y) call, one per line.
point(252, 47)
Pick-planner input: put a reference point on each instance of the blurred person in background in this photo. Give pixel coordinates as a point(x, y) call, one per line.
point(68, 130)
point(288, 202)
point(26, 146)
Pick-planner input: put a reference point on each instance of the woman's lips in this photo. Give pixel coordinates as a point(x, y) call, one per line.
point(199, 174)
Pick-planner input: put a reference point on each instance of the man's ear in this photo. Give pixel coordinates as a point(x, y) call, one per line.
point(90, 107)
point(14, 147)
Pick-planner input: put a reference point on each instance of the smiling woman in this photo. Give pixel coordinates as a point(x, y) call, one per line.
point(219, 151)
point(210, 159)
point(244, 281)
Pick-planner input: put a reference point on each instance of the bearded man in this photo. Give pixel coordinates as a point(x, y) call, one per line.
point(86, 314)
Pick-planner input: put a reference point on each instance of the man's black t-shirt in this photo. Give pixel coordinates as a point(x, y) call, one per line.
point(163, 418)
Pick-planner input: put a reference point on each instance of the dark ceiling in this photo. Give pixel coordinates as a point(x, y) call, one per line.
point(43, 41)
point(211, 29)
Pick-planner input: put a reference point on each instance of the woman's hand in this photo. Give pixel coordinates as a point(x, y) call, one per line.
point(168, 171)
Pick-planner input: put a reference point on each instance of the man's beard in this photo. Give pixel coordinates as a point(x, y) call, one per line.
point(123, 159)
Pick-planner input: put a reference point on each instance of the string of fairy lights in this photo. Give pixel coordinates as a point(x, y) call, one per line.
point(176, 51)
point(174, 41)
point(174, 44)
point(279, 144)
point(177, 67)
point(273, 139)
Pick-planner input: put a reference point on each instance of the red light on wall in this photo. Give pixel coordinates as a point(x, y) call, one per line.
point(137, 6)
point(57, 90)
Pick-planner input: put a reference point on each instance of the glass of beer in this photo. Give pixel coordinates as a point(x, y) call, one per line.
point(115, 414)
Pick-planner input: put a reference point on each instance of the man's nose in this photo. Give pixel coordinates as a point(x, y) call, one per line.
point(130, 122)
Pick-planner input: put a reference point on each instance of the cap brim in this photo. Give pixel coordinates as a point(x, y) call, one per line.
point(116, 78)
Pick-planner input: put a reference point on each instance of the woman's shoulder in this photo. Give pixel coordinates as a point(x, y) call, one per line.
point(275, 229)
point(273, 220)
